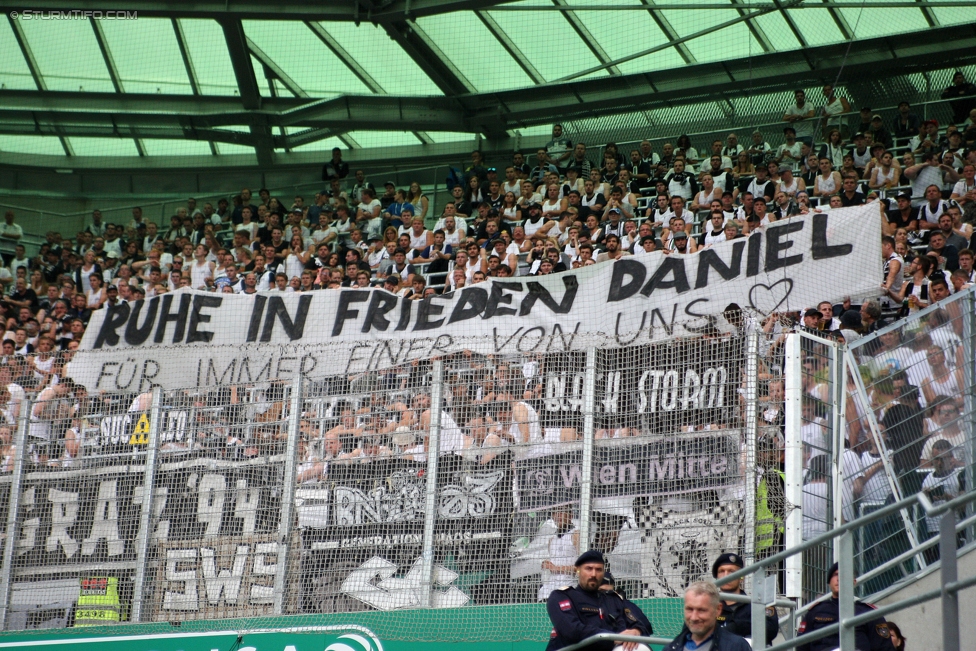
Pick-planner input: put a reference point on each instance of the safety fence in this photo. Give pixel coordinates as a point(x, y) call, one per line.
point(462, 481)
point(873, 420)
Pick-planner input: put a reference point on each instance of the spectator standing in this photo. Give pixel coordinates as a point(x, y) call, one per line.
point(800, 116)
point(559, 149)
point(335, 168)
point(962, 96)
point(833, 111)
point(906, 123)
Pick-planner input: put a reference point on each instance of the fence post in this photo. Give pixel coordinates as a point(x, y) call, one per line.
point(144, 536)
point(589, 431)
point(893, 482)
point(430, 510)
point(793, 466)
point(758, 608)
point(751, 432)
point(287, 520)
point(16, 488)
point(949, 570)
point(838, 398)
point(969, 425)
point(845, 579)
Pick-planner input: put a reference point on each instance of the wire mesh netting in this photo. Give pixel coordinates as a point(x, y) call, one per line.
point(910, 426)
point(241, 529)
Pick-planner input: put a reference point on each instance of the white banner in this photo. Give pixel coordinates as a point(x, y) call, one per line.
point(190, 338)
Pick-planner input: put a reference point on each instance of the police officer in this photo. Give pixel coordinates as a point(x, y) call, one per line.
point(735, 616)
point(631, 610)
point(580, 611)
point(872, 636)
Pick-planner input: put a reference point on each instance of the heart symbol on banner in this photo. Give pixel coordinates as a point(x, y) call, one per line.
point(766, 298)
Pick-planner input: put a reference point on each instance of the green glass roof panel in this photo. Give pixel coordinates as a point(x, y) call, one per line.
point(208, 53)
point(303, 57)
point(14, 73)
point(816, 25)
point(449, 136)
point(320, 145)
point(956, 15)
point(870, 23)
point(733, 42)
point(471, 48)
point(147, 56)
point(40, 145)
point(548, 41)
point(103, 146)
point(777, 30)
point(67, 55)
point(384, 138)
point(382, 59)
point(661, 60)
point(161, 147)
point(225, 149)
point(686, 23)
point(620, 38)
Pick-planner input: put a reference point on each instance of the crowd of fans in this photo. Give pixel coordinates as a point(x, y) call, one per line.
point(561, 211)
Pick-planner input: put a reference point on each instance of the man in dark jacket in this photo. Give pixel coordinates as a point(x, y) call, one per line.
point(583, 610)
point(872, 636)
point(734, 616)
point(631, 610)
point(702, 603)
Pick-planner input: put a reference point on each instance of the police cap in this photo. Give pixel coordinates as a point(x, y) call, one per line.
point(591, 556)
point(726, 559)
point(831, 572)
point(609, 580)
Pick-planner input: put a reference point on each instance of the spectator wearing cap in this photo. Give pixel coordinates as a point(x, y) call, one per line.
point(388, 196)
point(791, 150)
point(631, 610)
point(733, 616)
point(880, 132)
point(583, 610)
point(871, 635)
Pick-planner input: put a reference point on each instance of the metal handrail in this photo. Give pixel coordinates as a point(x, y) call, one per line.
point(931, 511)
point(887, 565)
point(777, 123)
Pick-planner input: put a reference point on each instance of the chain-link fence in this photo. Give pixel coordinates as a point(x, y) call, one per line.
point(910, 423)
point(468, 480)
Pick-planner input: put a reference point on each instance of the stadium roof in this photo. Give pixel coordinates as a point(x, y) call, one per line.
point(209, 79)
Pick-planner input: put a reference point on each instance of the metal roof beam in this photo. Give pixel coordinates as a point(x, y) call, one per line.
point(670, 32)
point(755, 29)
point(435, 64)
point(201, 118)
point(113, 71)
point(513, 50)
point(282, 9)
point(930, 16)
point(840, 21)
point(589, 40)
point(674, 42)
point(247, 85)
